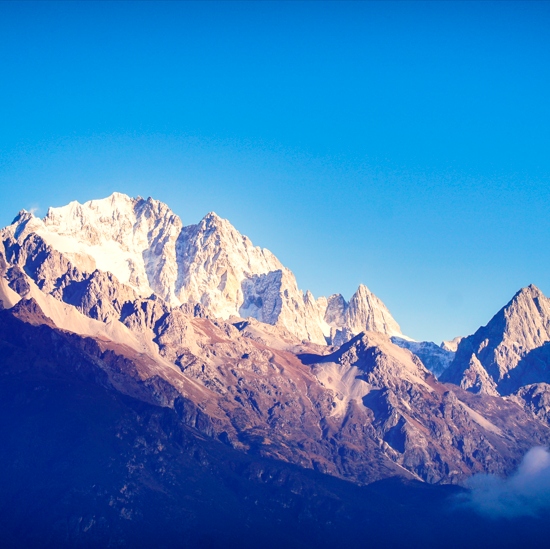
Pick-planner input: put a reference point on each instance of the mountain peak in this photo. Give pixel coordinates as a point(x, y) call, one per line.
point(522, 311)
point(502, 346)
point(363, 290)
point(145, 245)
point(366, 312)
point(22, 216)
point(120, 196)
point(530, 291)
point(212, 218)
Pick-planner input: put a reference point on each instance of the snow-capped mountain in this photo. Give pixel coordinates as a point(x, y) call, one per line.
point(437, 358)
point(198, 320)
point(145, 245)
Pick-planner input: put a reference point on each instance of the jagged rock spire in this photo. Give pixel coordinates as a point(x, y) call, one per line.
point(506, 346)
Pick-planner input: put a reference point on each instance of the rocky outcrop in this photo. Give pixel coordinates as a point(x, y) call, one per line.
point(476, 379)
point(512, 349)
point(535, 399)
point(335, 310)
point(142, 314)
point(99, 296)
point(437, 359)
point(49, 269)
point(365, 312)
point(365, 411)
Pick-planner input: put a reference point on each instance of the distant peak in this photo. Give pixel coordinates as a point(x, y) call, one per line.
point(22, 216)
point(213, 219)
point(118, 195)
point(362, 290)
point(530, 291)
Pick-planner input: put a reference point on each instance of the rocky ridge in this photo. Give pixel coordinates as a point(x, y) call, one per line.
point(364, 411)
point(147, 248)
point(510, 356)
point(511, 351)
point(198, 320)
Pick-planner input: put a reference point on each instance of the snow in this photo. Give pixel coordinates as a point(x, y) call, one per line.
point(325, 327)
point(452, 345)
point(108, 256)
point(144, 245)
point(96, 213)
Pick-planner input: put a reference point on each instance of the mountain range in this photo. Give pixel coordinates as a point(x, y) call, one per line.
point(162, 337)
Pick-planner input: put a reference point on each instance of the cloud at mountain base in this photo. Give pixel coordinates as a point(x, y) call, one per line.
point(525, 493)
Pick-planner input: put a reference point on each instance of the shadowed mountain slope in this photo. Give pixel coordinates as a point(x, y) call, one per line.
point(83, 465)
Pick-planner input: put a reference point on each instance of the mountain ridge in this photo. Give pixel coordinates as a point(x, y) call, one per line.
point(317, 383)
point(145, 245)
point(521, 327)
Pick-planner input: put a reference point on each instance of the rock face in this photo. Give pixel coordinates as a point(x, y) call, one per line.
point(508, 353)
point(215, 260)
point(436, 358)
point(363, 412)
point(365, 312)
point(149, 251)
point(536, 399)
point(197, 320)
point(103, 469)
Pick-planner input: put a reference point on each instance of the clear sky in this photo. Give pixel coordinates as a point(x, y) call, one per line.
point(401, 145)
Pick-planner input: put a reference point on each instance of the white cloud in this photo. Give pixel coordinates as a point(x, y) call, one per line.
point(525, 493)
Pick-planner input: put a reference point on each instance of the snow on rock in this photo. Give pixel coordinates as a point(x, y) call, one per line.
point(451, 345)
point(434, 357)
point(146, 247)
point(133, 238)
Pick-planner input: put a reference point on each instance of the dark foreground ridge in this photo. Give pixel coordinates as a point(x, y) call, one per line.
point(83, 465)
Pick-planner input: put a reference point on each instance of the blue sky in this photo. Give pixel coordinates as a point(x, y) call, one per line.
point(403, 145)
